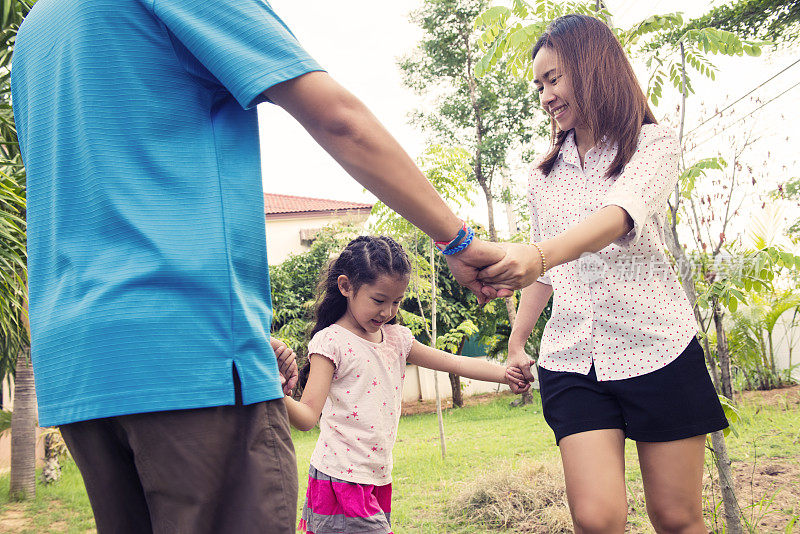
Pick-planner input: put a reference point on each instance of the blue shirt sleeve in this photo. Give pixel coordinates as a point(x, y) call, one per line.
point(242, 43)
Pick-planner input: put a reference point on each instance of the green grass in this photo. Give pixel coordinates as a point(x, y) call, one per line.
point(480, 439)
point(60, 507)
point(477, 438)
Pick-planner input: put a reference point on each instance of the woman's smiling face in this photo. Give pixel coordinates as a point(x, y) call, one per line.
point(555, 89)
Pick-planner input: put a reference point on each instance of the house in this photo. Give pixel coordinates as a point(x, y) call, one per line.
point(292, 222)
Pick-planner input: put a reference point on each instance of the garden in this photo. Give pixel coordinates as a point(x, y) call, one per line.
point(488, 463)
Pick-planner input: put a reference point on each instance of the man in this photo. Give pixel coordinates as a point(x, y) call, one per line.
point(149, 297)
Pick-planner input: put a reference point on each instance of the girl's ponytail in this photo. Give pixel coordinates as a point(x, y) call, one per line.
point(363, 260)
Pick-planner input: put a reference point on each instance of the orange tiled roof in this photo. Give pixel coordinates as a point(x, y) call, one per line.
point(278, 204)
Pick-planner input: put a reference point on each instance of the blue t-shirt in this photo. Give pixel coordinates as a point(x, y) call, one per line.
point(146, 242)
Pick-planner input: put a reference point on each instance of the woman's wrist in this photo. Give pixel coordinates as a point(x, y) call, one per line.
point(515, 345)
point(549, 253)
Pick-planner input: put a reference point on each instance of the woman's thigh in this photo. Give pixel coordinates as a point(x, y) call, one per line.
point(672, 472)
point(594, 472)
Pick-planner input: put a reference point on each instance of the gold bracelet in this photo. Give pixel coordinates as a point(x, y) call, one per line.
point(541, 255)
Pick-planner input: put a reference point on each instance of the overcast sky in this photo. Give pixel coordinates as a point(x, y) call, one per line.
point(360, 41)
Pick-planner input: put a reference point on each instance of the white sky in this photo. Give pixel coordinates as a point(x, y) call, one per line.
point(360, 41)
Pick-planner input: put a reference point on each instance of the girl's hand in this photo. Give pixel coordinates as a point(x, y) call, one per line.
point(520, 361)
point(515, 379)
point(287, 364)
point(521, 267)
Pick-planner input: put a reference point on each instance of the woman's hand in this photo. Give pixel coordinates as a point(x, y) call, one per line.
point(287, 364)
point(521, 266)
point(515, 379)
point(519, 361)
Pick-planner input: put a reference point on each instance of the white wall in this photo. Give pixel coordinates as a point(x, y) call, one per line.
point(785, 337)
point(420, 376)
point(283, 235)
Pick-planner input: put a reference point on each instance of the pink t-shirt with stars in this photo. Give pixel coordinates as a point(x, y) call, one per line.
point(622, 308)
point(359, 421)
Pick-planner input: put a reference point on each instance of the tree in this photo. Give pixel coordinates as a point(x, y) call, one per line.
point(454, 309)
point(752, 338)
point(490, 117)
point(14, 354)
point(790, 190)
point(446, 167)
point(773, 20)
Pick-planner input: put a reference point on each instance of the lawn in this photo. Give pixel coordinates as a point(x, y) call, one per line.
point(494, 445)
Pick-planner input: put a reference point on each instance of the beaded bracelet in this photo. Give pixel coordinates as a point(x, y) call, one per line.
point(541, 255)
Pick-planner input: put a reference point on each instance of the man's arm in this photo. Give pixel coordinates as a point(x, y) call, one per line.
point(354, 137)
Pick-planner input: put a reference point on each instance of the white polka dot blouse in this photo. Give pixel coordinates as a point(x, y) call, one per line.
point(621, 309)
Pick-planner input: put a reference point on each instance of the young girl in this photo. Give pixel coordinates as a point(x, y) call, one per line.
point(618, 356)
point(357, 360)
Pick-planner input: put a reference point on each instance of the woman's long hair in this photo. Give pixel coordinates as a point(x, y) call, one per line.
point(609, 101)
point(363, 260)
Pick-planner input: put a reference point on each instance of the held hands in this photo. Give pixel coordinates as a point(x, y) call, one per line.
point(518, 362)
point(287, 364)
point(515, 379)
point(466, 267)
point(521, 266)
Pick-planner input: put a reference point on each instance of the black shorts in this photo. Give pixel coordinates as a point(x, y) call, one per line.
point(675, 402)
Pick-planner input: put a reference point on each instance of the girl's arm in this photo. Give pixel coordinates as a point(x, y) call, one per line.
point(533, 300)
point(304, 414)
point(425, 356)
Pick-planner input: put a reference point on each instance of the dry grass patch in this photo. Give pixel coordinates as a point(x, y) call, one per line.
point(529, 497)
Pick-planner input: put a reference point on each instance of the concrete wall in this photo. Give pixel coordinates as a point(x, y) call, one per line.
point(786, 336)
point(420, 379)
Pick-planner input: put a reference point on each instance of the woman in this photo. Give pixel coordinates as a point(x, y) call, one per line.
point(619, 357)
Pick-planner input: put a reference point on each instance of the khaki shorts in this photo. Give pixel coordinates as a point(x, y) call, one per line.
point(228, 469)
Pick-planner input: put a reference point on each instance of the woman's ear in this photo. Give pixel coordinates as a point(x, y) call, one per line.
point(345, 287)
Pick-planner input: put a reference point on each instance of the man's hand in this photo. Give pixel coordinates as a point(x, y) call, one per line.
point(521, 266)
point(465, 267)
point(287, 364)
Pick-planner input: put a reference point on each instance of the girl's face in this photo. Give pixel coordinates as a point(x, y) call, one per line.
point(372, 305)
point(555, 89)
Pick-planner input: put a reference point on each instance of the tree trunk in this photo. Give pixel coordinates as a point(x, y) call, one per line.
point(733, 523)
point(720, 450)
point(511, 217)
point(487, 192)
point(23, 432)
point(433, 344)
point(722, 349)
point(712, 365)
point(51, 472)
point(687, 283)
point(455, 381)
point(455, 384)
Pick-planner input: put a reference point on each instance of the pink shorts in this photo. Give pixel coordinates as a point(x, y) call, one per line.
point(335, 506)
